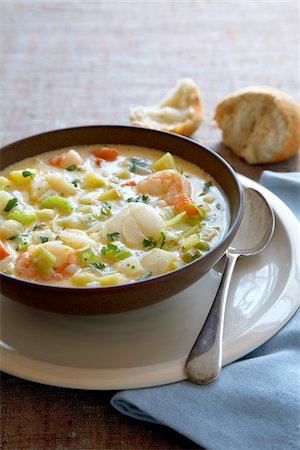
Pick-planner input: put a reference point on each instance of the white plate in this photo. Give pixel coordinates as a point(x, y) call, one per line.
point(148, 347)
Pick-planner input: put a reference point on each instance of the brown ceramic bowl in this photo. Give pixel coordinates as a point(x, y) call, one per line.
point(115, 299)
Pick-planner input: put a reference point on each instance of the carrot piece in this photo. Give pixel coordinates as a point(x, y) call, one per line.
point(98, 162)
point(191, 210)
point(184, 203)
point(181, 202)
point(56, 160)
point(4, 253)
point(109, 154)
point(130, 183)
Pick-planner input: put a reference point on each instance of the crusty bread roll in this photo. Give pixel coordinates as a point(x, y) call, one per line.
point(260, 124)
point(180, 111)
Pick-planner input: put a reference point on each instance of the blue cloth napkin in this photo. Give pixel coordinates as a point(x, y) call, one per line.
point(255, 404)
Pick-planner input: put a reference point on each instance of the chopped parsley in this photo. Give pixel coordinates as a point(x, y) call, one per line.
point(38, 226)
point(44, 239)
point(11, 204)
point(75, 182)
point(113, 236)
point(162, 240)
point(145, 276)
point(149, 243)
point(206, 187)
point(71, 168)
point(27, 173)
point(136, 162)
point(139, 199)
point(105, 209)
point(21, 241)
point(100, 266)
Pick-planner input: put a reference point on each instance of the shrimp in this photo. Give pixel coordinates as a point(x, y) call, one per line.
point(167, 184)
point(65, 266)
point(65, 160)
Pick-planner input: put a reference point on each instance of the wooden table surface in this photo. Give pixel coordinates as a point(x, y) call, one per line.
point(69, 63)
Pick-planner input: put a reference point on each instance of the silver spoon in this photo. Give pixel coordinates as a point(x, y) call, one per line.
point(256, 229)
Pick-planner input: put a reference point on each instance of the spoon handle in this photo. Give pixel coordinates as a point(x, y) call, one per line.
point(205, 359)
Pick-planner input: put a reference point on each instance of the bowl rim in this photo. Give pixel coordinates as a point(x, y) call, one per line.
point(233, 228)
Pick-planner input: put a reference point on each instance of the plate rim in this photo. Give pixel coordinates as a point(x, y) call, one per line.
point(52, 374)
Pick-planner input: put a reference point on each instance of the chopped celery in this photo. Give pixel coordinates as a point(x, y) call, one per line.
point(56, 202)
point(112, 194)
point(189, 232)
point(167, 161)
point(191, 255)
point(23, 217)
point(208, 199)
point(176, 220)
point(92, 180)
point(115, 252)
point(44, 260)
point(208, 234)
point(89, 256)
point(195, 241)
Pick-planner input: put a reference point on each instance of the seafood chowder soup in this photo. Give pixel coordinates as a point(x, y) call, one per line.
point(99, 215)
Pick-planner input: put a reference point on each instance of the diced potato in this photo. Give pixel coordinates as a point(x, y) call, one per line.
point(59, 184)
point(76, 239)
point(24, 217)
point(4, 198)
point(44, 260)
point(4, 182)
point(176, 220)
point(56, 202)
point(167, 161)
point(9, 228)
point(89, 198)
point(157, 261)
point(112, 194)
point(38, 188)
point(124, 174)
point(83, 278)
point(45, 214)
point(92, 180)
point(19, 177)
point(113, 279)
point(130, 266)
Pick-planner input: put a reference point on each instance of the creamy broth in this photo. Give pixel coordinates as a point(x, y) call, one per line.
point(103, 215)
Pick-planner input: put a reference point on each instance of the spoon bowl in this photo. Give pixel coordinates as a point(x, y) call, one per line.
point(204, 362)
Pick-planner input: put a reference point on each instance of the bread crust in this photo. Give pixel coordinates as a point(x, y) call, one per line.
point(186, 127)
point(289, 109)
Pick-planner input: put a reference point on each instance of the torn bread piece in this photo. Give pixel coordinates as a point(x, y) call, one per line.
point(260, 124)
point(180, 111)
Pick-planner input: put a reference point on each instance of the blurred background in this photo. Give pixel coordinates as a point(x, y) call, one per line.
point(68, 63)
